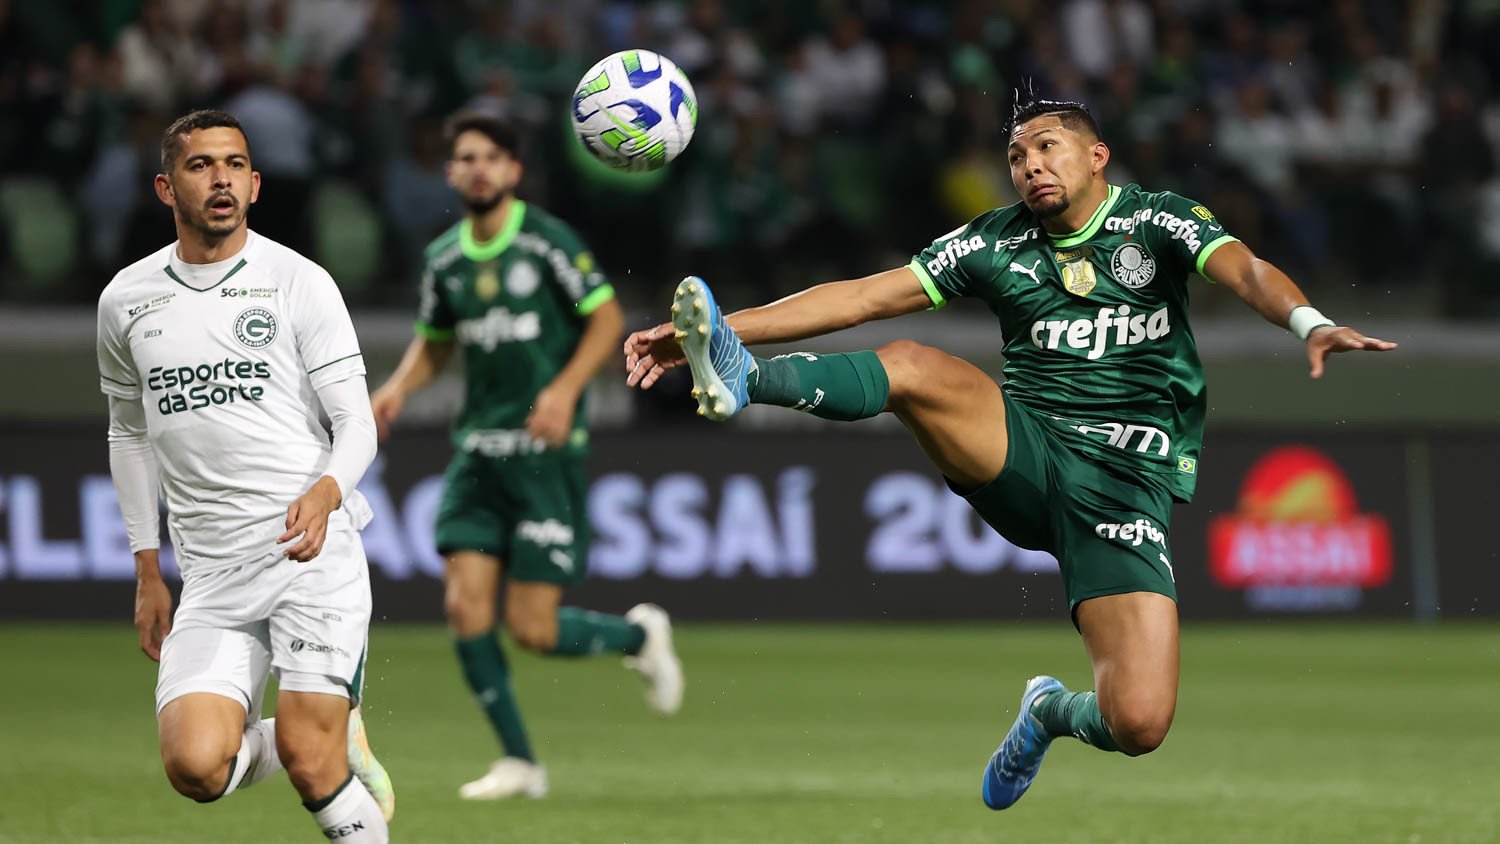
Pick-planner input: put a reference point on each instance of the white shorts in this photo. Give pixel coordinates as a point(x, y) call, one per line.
point(307, 622)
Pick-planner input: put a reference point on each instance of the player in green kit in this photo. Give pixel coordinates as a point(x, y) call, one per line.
point(516, 289)
point(1096, 431)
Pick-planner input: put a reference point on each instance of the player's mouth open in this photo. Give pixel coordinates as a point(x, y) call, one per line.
point(222, 205)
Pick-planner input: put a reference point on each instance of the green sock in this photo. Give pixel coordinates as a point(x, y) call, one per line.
point(842, 387)
point(586, 633)
point(1074, 714)
point(489, 677)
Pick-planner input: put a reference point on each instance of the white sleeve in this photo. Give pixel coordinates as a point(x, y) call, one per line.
point(117, 375)
point(132, 465)
point(325, 334)
point(347, 403)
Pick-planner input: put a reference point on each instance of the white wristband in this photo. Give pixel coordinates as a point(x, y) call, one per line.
point(1304, 318)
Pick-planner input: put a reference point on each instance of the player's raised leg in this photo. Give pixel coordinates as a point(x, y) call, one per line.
point(644, 636)
point(209, 679)
point(936, 395)
point(1132, 643)
point(207, 749)
point(312, 740)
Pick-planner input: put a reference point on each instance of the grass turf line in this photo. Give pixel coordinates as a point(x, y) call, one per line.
point(818, 733)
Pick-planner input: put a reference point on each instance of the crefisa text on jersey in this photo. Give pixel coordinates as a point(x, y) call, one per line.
point(196, 386)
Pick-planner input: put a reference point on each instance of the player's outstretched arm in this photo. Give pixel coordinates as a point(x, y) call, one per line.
point(813, 312)
point(1277, 298)
point(423, 359)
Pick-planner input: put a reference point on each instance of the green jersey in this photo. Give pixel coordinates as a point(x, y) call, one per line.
point(1095, 322)
point(517, 306)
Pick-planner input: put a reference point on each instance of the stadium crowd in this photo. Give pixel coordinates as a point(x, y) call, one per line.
point(1341, 138)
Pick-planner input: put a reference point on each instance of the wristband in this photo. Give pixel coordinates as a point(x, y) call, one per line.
point(1304, 318)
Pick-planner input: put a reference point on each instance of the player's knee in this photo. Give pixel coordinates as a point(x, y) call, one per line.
point(196, 772)
point(1139, 733)
point(535, 634)
point(468, 615)
point(905, 363)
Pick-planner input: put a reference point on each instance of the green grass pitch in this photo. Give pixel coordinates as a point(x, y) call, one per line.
point(1324, 733)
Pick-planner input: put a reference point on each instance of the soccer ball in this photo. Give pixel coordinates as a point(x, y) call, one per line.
point(635, 110)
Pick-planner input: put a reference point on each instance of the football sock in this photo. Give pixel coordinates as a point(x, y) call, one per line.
point(585, 633)
point(1074, 714)
point(350, 814)
point(843, 387)
point(256, 759)
point(489, 677)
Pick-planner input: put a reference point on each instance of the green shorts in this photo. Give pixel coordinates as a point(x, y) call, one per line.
point(531, 512)
point(1106, 525)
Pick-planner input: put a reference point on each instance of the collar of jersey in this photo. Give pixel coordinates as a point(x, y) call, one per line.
point(189, 275)
point(1093, 224)
point(491, 249)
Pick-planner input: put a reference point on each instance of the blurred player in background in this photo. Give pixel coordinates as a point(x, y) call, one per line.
point(1096, 431)
point(216, 353)
point(516, 288)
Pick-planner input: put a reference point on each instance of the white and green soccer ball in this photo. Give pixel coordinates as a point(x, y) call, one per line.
point(635, 110)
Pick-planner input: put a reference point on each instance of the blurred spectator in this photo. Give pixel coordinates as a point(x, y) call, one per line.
point(163, 64)
point(1103, 33)
point(833, 136)
point(418, 201)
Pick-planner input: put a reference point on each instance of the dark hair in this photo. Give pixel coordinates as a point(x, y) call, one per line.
point(1030, 106)
point(171, 142)
point(487, 125)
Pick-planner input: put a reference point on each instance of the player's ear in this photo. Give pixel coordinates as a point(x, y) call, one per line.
point(448, 174)
point(254, 186)
point(1099, 157)
point(164, 190)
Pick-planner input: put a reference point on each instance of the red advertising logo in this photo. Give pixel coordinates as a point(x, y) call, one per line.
point(1298, 525)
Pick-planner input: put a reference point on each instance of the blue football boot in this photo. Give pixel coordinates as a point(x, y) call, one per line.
point(1018, 759)
point(719, 361)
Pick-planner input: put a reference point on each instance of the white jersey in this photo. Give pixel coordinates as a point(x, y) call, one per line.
point(226, 358)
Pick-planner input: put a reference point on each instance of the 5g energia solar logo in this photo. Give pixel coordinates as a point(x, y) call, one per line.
point(255, 328)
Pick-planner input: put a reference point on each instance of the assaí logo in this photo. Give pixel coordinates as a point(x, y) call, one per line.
point(196, 386)
point(1299, 541)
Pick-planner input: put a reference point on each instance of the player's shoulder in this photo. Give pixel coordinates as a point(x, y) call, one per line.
point(145, 271)
point(445, 249)
point(284, 263)
point(993, 226)
point(1163, 200)
point(1005, 221)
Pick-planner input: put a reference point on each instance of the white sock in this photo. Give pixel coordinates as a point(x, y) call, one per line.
point(256, 758)
point(351, 815)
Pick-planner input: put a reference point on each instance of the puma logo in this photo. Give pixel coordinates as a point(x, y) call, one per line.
point(1015, 267)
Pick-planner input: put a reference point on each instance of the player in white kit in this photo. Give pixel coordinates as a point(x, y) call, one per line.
point(216, 353)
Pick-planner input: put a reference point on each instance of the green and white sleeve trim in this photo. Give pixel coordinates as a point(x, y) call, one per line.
point(1211, 248)
point(933, 293)
point(437, 335)
point(599, 296)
